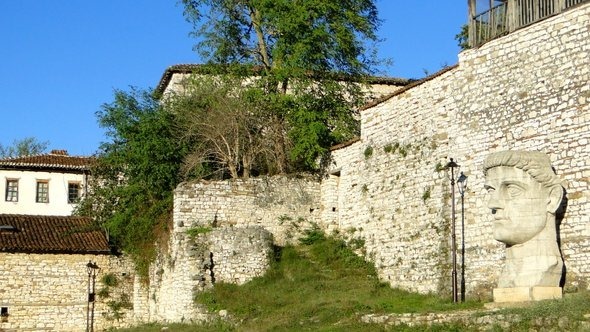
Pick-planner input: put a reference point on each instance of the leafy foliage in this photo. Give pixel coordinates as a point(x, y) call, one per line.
point(133, 179)
point(195, 231)
point(312, 50)
point(24, 147)
point(293, 37)
point(283, 87)
point(462, 37)
point(109, 280)
point(312, 235)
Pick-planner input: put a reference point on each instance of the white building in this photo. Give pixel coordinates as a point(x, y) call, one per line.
point(47, 184)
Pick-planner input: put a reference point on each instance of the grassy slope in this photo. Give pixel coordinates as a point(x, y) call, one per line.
point(323, 286)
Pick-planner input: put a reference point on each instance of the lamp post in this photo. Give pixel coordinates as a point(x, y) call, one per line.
point(462, 186)
point(92, 270)
point(452, 165)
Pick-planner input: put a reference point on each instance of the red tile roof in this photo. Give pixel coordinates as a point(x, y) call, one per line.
point(51, 234)
point(55, 160)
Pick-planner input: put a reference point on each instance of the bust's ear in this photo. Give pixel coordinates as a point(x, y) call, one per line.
point(555, 197)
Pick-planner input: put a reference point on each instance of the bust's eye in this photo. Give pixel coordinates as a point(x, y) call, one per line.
point(513, 190)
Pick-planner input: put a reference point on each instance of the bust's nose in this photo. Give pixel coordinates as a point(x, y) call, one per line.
point(495, 203)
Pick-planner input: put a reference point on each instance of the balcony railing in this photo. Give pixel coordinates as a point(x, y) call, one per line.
point(510, 15)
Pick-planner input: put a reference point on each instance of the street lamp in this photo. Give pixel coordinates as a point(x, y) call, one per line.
point(462, 186)
point(92, 270)
point(452, 165)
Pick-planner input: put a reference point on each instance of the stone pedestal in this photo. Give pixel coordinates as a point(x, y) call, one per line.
point(525, 294)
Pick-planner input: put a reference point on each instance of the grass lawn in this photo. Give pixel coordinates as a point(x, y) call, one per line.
point(321, 285)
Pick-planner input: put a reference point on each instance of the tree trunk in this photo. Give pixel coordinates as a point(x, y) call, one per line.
point(256, 22)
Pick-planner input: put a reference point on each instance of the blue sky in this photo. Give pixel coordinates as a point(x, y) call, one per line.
point(61, 60)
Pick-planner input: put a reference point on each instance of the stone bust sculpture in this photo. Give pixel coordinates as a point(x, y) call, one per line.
point(524, 194)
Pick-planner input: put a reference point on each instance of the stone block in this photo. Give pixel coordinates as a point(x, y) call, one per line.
point(526, 294)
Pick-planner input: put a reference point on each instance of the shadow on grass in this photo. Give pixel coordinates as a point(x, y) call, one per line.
point(324, 286)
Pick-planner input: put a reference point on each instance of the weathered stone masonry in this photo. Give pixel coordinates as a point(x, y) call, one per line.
point(48, 292)
point(279, 205)
point(528, 90)
point(242, 221)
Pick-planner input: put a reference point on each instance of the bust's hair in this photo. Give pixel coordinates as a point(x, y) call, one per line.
point(536, 164)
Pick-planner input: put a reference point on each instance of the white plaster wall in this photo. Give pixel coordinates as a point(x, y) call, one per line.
point(179, 80)
point(27, 187)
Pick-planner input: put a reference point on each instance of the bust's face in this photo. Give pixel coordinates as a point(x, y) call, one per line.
point(518, 203)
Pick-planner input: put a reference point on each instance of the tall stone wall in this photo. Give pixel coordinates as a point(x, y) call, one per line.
point(49, 292)
point(528, 90)
point(223, 231)
point(192, 263)
point(281, 205)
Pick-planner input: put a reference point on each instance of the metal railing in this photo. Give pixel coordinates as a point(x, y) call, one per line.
point(488, 25)
point(511, 15)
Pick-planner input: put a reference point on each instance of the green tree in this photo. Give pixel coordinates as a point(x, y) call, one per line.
point(291, 36)
point(24, 147)
point(227, 125)
point(300, 48)
point(135, 173)
point(462, 37)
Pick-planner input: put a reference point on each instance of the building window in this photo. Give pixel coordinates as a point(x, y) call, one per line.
point(73, 192)
point(42, 192)
point(4, 314)
point(12, 190)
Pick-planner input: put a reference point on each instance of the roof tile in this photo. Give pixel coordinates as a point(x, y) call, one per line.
point(51, 234)
point(57, 159)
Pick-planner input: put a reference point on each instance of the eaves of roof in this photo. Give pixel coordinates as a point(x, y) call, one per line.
point(196, 68)
point(48, 162)
point(51, 235)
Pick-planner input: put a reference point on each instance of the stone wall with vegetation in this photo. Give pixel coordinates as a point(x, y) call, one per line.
point(281, 205)
point(528, 90)
point(194, 260)
point(388, 193)
point(49, 292)
point(223, 231)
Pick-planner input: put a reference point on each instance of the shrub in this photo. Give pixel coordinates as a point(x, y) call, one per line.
point(368, 152)
point(312, 235)
point(194, 231)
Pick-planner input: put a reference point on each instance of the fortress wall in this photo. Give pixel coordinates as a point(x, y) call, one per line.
point(281, 205)
point(192, 263)
point(529, 90)
point(223, 231)
point(388, 192)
